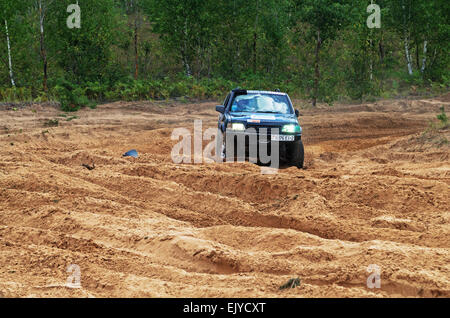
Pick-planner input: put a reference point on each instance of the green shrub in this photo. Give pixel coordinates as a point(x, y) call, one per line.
point(51, 123)
point(71, 96)
point(443, 118)
point(15, 94)
point(96, 91)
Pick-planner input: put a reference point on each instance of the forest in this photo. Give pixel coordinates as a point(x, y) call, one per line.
point(83, 52)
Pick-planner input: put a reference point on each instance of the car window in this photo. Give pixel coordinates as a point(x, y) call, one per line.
point(261, 103)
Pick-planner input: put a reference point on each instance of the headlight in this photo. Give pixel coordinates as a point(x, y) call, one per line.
point(291, 129)
point(237, 126)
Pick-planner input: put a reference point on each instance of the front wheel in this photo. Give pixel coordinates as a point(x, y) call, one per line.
point(221, 145)
point(296, 153)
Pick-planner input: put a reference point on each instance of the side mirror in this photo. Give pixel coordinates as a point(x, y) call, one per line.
point(220, 109)
point(297, 113)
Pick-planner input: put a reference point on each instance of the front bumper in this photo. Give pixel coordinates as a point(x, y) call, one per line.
point(252, 136)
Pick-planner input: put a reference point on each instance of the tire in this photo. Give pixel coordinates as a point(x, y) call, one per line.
point(222, 145)
point(296, 154)
point(224, 151)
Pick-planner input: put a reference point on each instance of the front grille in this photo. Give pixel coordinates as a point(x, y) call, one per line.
point(269, 128)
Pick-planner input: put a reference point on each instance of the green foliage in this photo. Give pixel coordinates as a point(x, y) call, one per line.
point(443, 118)
point(71, 118)
point(84, 54)
point(326, 16)
point(199, 49)
point(162, 89)
point(291, 283)
point(71, 96)
point(51, 123)
point(15, 94)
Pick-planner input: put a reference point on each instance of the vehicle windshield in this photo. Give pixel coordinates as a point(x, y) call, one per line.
point(262, 103)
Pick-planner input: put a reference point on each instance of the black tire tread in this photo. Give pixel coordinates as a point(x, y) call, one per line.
point(297, 154)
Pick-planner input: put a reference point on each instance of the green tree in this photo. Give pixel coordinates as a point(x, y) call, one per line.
point(326, 18)
point(185, 27)
point(86, 53)
point(134, 9)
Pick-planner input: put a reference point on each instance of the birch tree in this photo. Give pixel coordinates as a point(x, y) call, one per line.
point(8, 43)
point(406, 11)
point(8, 9)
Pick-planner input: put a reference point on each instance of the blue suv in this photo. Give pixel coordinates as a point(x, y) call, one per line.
point(262, 117)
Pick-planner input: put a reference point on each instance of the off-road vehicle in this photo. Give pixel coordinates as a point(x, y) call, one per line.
point(262, 117)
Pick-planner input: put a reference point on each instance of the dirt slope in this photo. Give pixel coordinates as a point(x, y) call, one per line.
point(375, 191)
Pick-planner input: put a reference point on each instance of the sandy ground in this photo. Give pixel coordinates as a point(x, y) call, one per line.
point(375, 191)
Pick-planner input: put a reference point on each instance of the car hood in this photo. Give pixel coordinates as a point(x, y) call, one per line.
point(264, 118)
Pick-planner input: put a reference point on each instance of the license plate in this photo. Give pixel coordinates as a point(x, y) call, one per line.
point(282, 138)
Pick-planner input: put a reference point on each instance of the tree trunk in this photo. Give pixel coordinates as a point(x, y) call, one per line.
point(371, 60)
point(417, 56)
point(136, 55)
point(255, 39)
point(187, 67)
point(11, 75)
point(317, 71)
point(432, 60)
point(44, 62)
point(406, 39)
point(382, 51)
point(254, 52)
point(424, 59)
point(408, 56)
point(42, 43)
point(184, 50)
